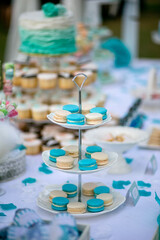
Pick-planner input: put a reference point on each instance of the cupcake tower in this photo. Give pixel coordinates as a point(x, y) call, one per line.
point(71, 117)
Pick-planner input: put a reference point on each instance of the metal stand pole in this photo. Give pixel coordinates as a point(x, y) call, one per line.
point(80, 132)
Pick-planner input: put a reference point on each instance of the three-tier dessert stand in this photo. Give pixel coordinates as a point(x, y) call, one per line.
point(112, 158)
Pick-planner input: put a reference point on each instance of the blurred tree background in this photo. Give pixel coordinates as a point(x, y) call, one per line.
point(149, 17)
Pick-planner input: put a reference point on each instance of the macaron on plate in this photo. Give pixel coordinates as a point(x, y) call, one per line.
point(81, 123)
point(82, 168)
point(91, 206)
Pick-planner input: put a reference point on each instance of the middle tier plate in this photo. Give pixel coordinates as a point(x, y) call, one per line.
point(112, 158)
point(85, 126)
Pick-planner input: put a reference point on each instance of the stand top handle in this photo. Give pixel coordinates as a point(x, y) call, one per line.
point(79, 87)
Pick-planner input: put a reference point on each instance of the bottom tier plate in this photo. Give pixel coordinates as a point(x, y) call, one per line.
point(43, 202)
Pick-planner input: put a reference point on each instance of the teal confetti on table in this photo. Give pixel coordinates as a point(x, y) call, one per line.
point(158, 219)
point(120, 184)
point(144, 193)
point(9, 206)
point(129, 160)
point(156, 121)
point(157, 198)
point(143, 184)
point(29, 181)
point(2, 214)
point(44, 168)
point(20, 147)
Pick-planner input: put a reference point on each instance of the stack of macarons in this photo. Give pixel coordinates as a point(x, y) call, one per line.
point(91, 115)
point(100, 110)
point(60, 199)
point(94, 158)
point(103, 197)
point(59, 156)
point(60, 202)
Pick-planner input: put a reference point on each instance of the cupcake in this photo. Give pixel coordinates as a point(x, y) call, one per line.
point(17, 77)
point(33, 147)
point(29, 79)
point(49, 143)
point(39, 112)
point(65, 81)
point(68, 69)
point(90, 67)
point(28, 136)
point(47, 80)
point(24, 111)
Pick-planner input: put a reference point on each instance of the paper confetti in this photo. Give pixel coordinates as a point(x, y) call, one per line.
point(9, 206)
point(44, 168)
point(157, 198)
point(2, 214)
point(143, 184)
point(129, 160)
point(28, 181)
point(119, 184)
point(144, 193)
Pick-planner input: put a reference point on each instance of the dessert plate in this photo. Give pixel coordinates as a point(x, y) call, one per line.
point(43, 202)
point(85, 126)
point(112, 158)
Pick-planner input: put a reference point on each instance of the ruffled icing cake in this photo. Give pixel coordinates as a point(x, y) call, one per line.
point(50, 31)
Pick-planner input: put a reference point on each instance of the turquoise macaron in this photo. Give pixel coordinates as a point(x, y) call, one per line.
point(76, 119)
point(87, 164)
point(101, 189)
point(54, 153)
point(60, 203)
point(100, 110)
point(70, 189)
point(92, 149)
point(71, 108)
point(95, 205)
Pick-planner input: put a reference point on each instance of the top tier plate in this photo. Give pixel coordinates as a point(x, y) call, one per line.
point(83, 127)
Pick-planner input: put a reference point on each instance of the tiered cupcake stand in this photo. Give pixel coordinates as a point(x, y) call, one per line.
point(43, 198)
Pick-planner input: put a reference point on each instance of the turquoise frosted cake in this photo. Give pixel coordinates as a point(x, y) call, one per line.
point(49, 31)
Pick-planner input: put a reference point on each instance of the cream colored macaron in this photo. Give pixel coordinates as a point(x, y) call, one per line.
point(76, 207)
point(56, 193)
point(93, 118)
point(87, 188)
point(107, 198)
point(100, 157)
point(60, 115)
point(65, 162)
point(86, 107)
point(71, 150)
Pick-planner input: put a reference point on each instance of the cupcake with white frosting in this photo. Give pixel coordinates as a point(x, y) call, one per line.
point(39, 112)
point(24, 111)
point(47, 80)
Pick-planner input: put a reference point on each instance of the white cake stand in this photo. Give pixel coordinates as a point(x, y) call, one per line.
point(135, 136)
point(43, 202)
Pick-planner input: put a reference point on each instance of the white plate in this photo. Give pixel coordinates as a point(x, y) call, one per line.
point(85, 126)
point(112, 158)
point(43, 202)
point(134, 137)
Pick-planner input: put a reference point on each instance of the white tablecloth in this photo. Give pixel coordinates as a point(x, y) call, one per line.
point(127, 222)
